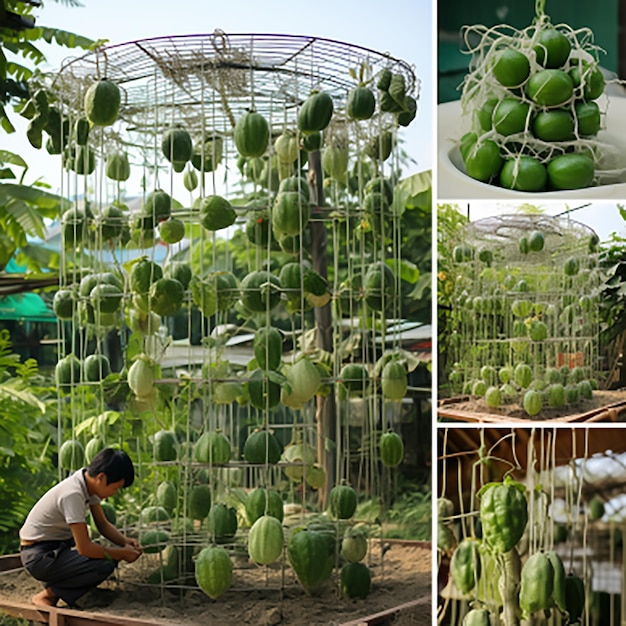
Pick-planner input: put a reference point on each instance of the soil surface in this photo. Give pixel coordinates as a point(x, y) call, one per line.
point(401, 575)
point(475, 409)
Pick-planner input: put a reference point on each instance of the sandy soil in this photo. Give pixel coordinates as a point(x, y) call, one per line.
point(402, 575)
point(477, 406)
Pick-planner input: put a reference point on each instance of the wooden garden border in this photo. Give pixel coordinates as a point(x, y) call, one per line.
point(608, 413)
point(56, 616)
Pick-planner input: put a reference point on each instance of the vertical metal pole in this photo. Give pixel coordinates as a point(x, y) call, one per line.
point(325, 413)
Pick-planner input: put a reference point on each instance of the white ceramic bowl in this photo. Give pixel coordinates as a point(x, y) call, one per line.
point(454, 184)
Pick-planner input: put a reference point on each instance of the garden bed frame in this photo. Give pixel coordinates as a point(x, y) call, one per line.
point(62, 616)
point(614, 412)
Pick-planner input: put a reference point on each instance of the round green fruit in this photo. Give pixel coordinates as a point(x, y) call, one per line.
point(214, 571)
point(102, 102)
point(391, 449)
point(315, 113)
point(251, 134)
point(511, 68)
point(342, 501)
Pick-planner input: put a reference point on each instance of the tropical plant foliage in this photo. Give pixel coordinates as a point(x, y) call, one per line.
point(24, 207)
point(25, 434)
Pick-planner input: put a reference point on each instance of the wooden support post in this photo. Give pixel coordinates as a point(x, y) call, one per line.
point(326, 413)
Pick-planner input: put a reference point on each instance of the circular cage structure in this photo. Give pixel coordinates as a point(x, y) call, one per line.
point(525, 316)
point(163, 291)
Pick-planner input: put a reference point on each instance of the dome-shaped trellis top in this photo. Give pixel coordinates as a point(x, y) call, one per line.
point(562, 236)
point(213, 79)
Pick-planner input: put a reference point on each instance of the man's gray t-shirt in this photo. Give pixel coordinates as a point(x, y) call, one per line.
point(66, 503)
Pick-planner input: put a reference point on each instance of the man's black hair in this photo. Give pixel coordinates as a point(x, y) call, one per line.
point(115, 464)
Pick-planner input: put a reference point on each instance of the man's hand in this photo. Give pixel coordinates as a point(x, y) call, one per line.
point(129, 554)
point(133, 543)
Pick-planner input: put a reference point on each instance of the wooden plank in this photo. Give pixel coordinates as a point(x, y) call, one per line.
point(608, 413)
point(10, 563)
point(59, 616)
point(387, 616)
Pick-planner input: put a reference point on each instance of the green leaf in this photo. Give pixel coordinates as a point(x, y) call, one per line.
point(12, 158)
point(19, 72)
point(6, 172)
point(422, 285)
point(5, 122)
point(406, 269)
point(67, 39)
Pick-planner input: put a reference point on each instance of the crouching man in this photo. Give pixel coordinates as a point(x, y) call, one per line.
point(55, 547)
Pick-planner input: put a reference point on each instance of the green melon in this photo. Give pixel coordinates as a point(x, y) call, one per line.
point(117, 166)
point(64, 304)
point(109, 512)
point(262, 447)
point(265, 540)
point(213, 448)
point(171, 230)
point(304, 379)
point(315, 113)
point(166, 495)
point(532, 402)
point(199, 502)
point(74, 224)
point(177, 147)
point(258, 229)
point(165, 446)
point(290, 213)
point(361, 103)
point(260, 291)
point(292, 281)
point(92, 448)
point(286, 146)
point(296, 183)
point(303, 455)
point(154, 541)
point(96, 367)
point(354, 377)
point(106, 298)
point(214, 571)
point(311, 142)
point(179, 271)
point(264, 393)
point(308, 553)
point(394, 380)
point(251, 134)
point(140, 376)
point(216, 213)
point(342, 501)
point(379, 286)
point(71, 454)
point(67, 372)
point(268, 348)
point(354, 545)
point(102, 102)
point(143, 273)
point(190, 180)
point(156, 208)
point(208, 155)
point(222, 522)
point(166, 296)
point(259, 500)
point(356, 580)
point(391, 449)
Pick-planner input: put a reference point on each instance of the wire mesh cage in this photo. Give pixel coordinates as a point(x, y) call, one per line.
point(229, 350)
point(525, 315)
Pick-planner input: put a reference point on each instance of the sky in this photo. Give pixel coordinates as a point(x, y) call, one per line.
point(402, 28)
